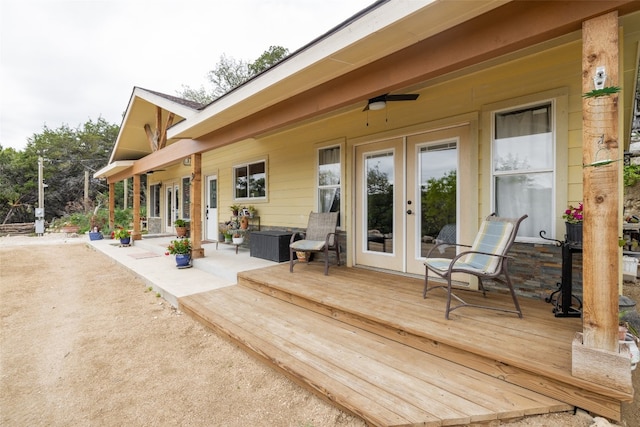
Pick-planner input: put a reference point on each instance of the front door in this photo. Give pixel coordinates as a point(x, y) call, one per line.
point(407, 198)
point(211, 213)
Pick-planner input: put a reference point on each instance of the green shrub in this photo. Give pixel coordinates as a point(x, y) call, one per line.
point(631, 175)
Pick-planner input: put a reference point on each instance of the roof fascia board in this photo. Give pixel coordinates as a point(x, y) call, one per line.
point(113, 168)
point(344, 37)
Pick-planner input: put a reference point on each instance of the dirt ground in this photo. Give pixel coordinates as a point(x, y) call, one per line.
point(84, 342)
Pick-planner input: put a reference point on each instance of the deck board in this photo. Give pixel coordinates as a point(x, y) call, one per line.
point(394, 376)
point(368, 342)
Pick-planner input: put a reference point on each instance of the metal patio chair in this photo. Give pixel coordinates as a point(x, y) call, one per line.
point(486, 258)
point(319, 237)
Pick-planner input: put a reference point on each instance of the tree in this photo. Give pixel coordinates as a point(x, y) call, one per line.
point(230, 73)
point(67, 153)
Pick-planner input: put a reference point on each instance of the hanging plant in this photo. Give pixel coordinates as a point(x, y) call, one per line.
point(605, 91)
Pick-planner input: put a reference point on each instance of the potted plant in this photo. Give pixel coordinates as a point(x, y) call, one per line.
point(69, 227)
point(181, 227)
point(123, 235)
point(181, 248)
point(238, 237)
point(235, 209)
point(96, 227)
point(573, 218)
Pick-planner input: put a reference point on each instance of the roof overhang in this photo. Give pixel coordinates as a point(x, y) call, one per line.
point(378, 31)
point(145, 108)
point(113, 168)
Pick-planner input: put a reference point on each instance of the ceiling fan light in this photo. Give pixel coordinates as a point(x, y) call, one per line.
point(377, 105)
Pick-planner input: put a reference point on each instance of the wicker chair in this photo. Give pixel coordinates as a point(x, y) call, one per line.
point(319, 237)
point(486, 258)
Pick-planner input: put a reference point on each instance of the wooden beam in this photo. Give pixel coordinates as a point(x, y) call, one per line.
point(601, 253)
point(195, 209)
point(163, 132)
point(152, 137)
point(136, 235)
point(112, 205)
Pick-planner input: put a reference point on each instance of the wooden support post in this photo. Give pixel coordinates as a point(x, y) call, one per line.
point(136, 235)
point(596, 354)
point(195, 209)
point(601, 253)
point(112, 205)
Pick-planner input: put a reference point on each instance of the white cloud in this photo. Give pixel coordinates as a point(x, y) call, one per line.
point(68, 61)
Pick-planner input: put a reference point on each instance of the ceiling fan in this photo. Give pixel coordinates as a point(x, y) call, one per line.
point(379, 102)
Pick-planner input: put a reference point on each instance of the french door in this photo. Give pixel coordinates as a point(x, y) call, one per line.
point(172, 205)
point(407, 197)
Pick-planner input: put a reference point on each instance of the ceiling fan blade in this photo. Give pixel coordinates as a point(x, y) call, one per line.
point(402, 97)
point(387, 97)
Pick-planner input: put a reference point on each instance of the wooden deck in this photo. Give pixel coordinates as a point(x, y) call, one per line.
point(369, 343)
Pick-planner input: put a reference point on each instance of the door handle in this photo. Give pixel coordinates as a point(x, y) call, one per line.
point(409, 212)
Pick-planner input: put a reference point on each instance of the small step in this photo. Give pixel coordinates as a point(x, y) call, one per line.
point(384, 382)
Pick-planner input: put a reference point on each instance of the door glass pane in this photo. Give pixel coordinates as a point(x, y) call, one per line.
point(169, 207)
point(438, 176)
point(213, 193)
point(379, 169)
point(176, 204)
point(186, 198)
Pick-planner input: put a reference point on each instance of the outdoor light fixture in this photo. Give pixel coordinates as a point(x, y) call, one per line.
point(377, 105)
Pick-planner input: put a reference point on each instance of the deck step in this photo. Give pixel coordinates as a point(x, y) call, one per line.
point(383, 381)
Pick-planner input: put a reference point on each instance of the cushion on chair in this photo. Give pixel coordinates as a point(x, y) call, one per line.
point(442, 265)
point(307, 245)
point(492, 237)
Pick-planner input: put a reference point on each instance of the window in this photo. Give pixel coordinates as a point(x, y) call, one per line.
point(329, 180)
point(186, 201)
point(523, 172)
point(154, 201)
point(250, 181)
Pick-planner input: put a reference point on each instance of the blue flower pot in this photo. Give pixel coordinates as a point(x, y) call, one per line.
point(182, 260)
point(125, 241)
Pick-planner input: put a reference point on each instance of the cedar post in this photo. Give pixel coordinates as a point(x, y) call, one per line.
point(112, 205)
point(195, 209)
point(596, 355)
point(136, 235)
point(601, 253)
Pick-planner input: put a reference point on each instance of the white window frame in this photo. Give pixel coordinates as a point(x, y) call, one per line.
point(323, 146)
point(150, 212)
point(563, 146)
point(246, 165)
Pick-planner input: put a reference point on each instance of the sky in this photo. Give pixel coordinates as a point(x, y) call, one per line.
point(65, 62)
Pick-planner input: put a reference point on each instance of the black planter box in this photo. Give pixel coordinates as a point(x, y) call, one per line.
point(270, 245)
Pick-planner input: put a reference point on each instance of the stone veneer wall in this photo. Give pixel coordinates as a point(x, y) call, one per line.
point(154, 225)
point(536, 270)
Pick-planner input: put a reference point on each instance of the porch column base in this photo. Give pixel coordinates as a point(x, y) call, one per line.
point(136, 235)
point(197, 253)
point(608, 368)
